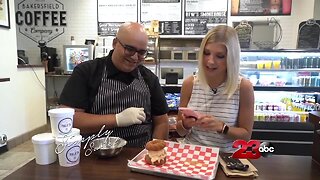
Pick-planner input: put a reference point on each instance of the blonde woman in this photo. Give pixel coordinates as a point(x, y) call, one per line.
point(224, 99)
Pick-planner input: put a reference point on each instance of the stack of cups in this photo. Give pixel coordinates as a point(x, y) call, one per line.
point(67, 138)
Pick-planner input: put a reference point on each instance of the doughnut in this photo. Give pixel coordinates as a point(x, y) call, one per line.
point(156, 153)
point(155, 145)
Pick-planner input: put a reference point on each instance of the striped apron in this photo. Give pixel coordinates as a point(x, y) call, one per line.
point(114, 96)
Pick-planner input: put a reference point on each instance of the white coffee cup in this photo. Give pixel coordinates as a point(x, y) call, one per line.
point(44, 148)
point(68, 150)
point(61, 120)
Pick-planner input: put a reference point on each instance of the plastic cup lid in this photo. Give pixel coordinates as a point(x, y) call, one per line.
point(60, 110)
point(44, 138)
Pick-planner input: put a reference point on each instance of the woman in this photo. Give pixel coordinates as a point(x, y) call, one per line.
point(224, 99)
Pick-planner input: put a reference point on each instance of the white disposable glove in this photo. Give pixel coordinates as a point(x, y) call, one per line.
point(130, 116)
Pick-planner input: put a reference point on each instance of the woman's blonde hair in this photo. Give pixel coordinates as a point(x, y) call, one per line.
point(227, 36)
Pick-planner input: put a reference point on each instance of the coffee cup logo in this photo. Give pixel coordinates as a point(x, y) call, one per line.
point(73, 154)
point(65, 125)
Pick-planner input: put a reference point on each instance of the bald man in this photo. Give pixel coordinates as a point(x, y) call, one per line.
point(118, 93)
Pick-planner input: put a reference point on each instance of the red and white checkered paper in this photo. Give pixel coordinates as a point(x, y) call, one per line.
point(184, 160)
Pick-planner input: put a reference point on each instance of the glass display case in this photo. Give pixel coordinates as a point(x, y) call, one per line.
point(289, 78)
point(287, 87)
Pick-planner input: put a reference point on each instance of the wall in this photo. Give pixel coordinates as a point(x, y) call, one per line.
point(81, 23)
point(316, 9)
point(22, 99)
point(301, 11)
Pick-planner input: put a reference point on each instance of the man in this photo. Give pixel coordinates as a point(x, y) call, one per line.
point(119, 93)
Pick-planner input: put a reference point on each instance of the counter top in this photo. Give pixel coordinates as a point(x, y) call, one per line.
point(314, 118)
point(90, 167)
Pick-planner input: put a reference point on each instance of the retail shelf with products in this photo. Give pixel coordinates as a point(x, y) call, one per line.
point(152, 59)
point(287, 87)
point(153, 50)
point(283, 75)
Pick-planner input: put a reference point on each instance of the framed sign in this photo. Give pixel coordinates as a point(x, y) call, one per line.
point(260, 7)
point(4, 14)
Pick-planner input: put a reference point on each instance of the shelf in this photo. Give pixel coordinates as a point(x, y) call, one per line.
point(282, 70)
point(4, 79)
point(29, 66)
point(281, 50)
point(149, 62)
point(179, 48)
point(286, 88)
point(58, 75)
point(182, 61)
point(279, 112)
point(300, 126)
point(182, 36)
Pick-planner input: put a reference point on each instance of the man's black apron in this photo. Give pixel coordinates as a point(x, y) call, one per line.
point(114, 96)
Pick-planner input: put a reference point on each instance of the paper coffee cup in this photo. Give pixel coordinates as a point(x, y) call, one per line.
point(61, 120)
point(44, 148)
point(68, 150)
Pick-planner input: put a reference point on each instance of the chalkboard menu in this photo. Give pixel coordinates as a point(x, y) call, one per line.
point(309, 34)
point(244, 30)
point(170, 27)
point(202, 15)
point(108, 28)
point(167, 12)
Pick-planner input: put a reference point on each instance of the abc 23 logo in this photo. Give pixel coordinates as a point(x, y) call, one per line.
point(252, 149)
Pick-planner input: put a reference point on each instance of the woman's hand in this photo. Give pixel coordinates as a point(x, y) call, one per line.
point(209, 123)
point(188, 122)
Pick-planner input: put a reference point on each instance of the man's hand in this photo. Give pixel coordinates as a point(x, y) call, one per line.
point(130, 116)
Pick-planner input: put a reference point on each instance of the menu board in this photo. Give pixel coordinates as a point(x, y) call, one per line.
point(260, 7)
point(111, 14)
point(202, 15)
point(309, 34)
point(168, 12)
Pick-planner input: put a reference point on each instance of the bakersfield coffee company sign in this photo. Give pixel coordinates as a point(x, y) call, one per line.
point(41, 20)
